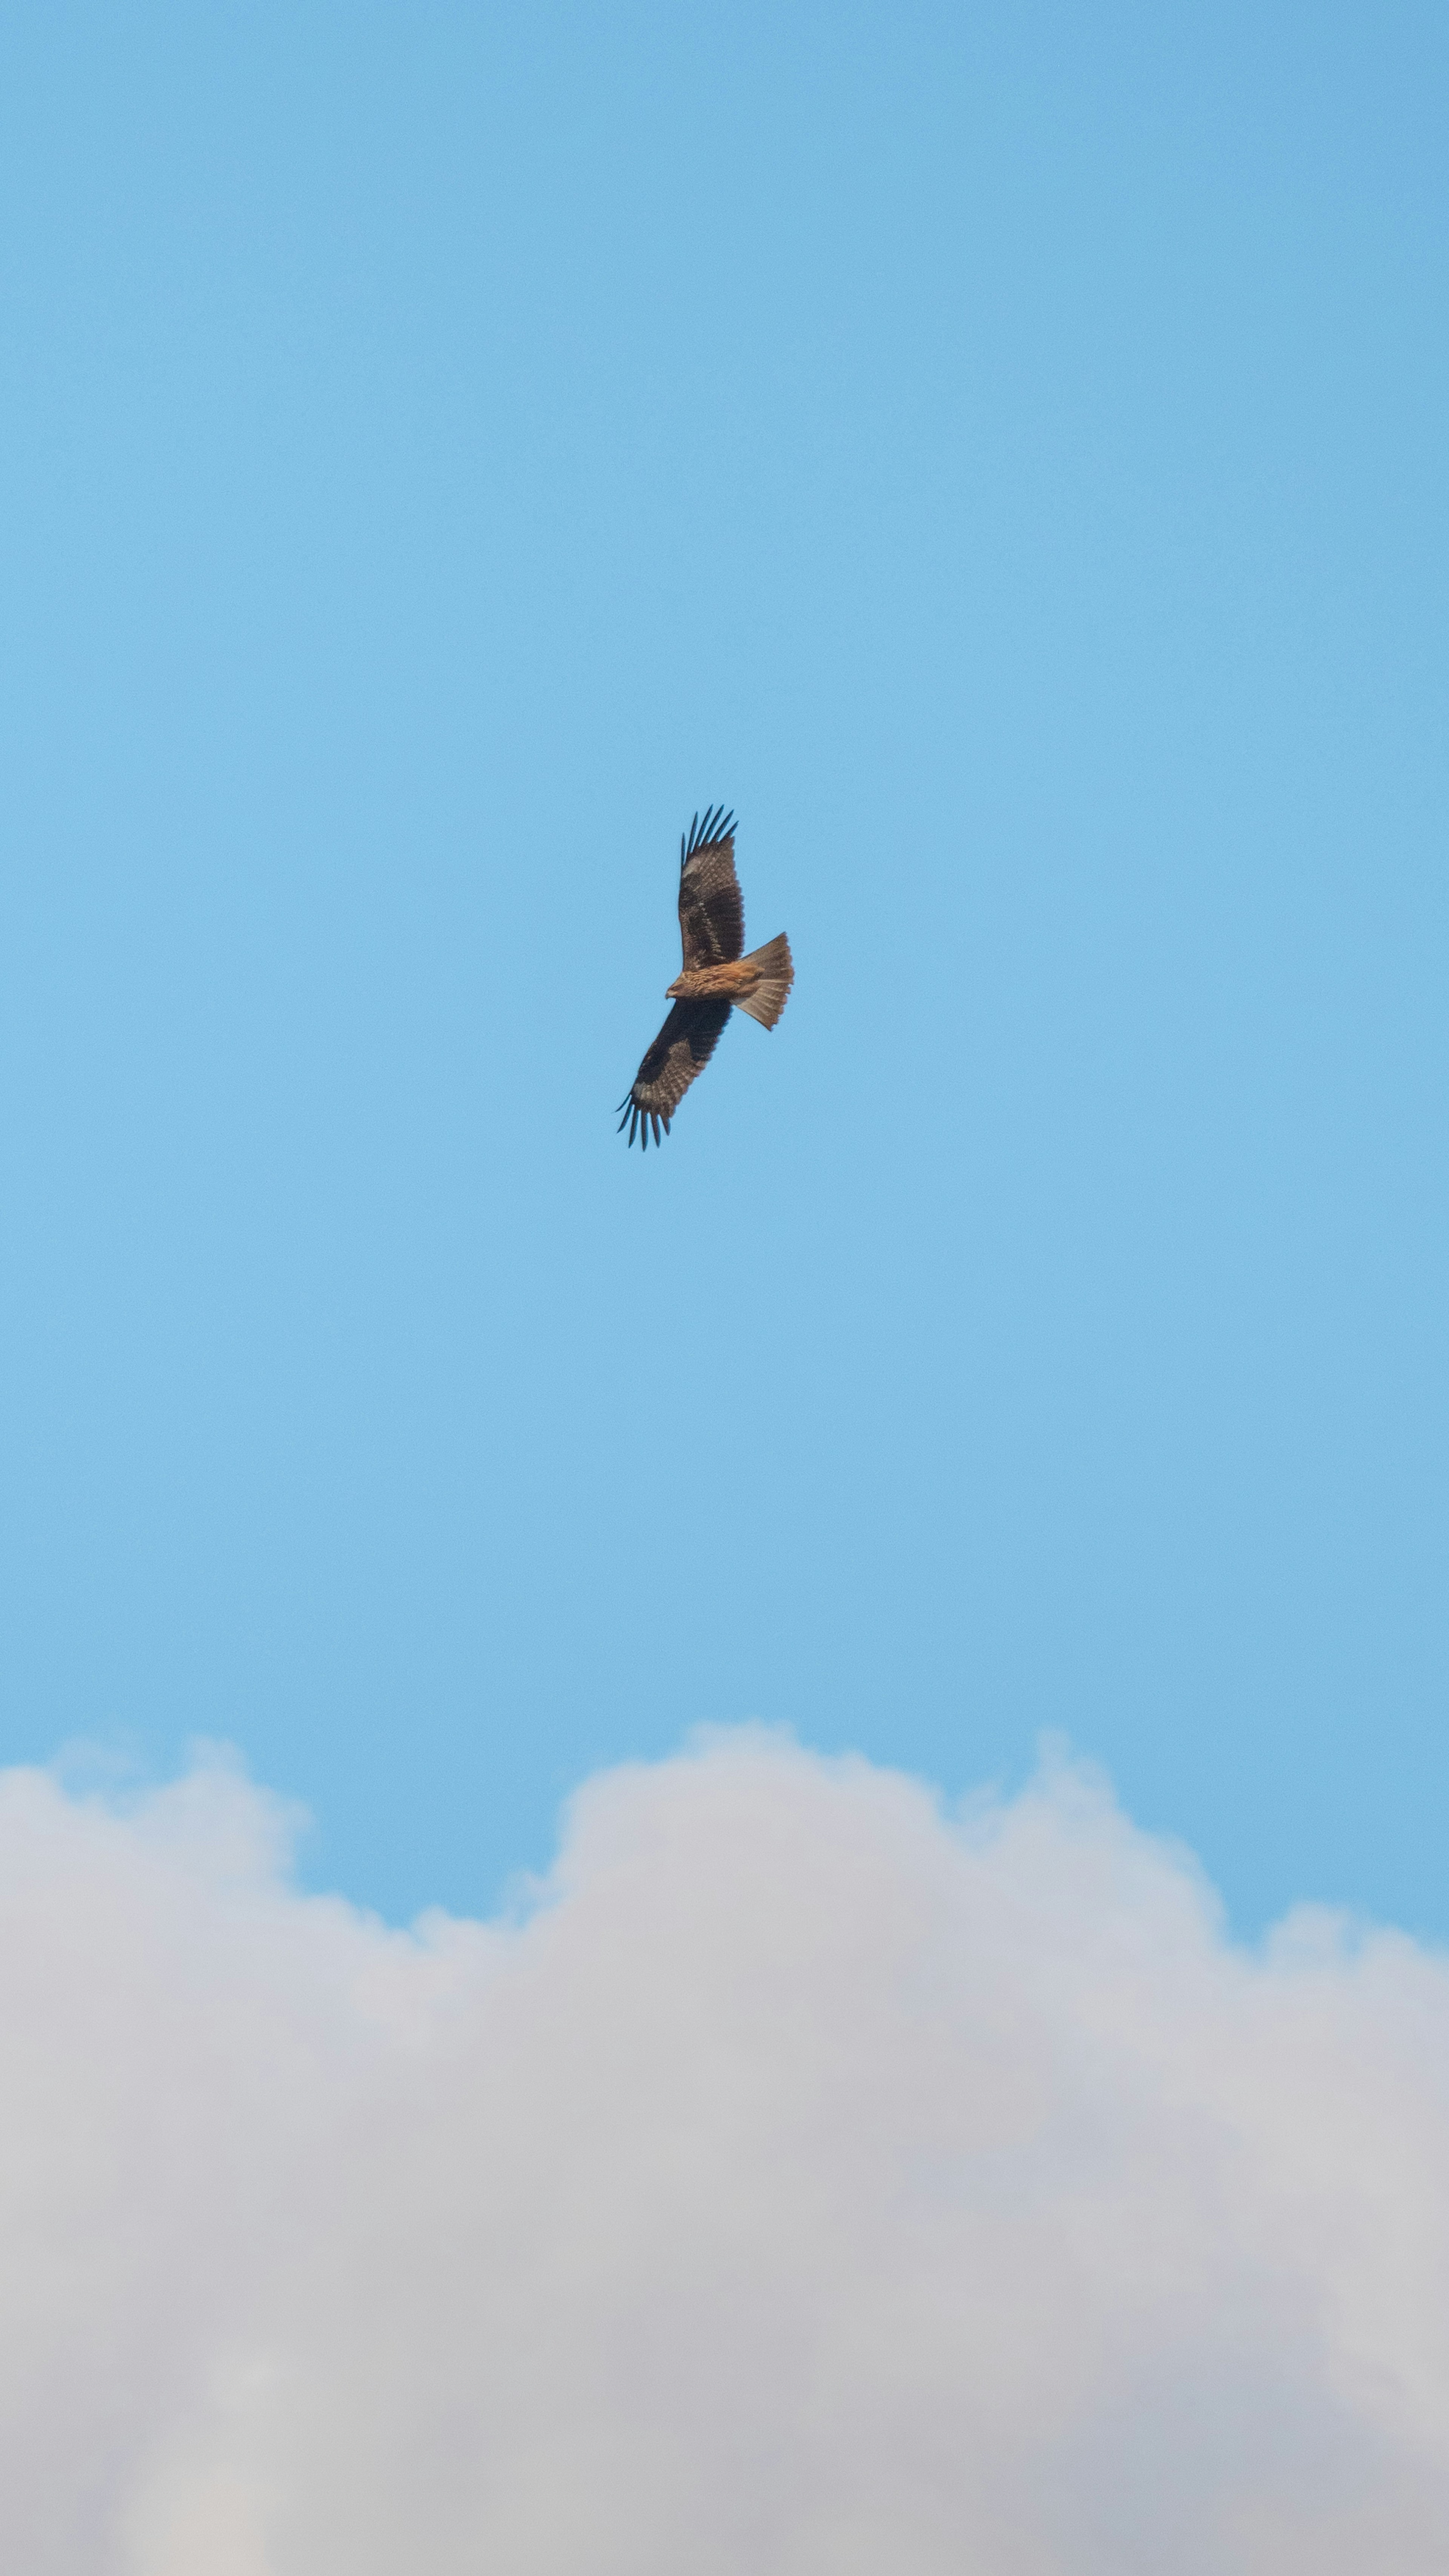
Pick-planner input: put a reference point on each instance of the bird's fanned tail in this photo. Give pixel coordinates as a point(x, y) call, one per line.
point(772, 983)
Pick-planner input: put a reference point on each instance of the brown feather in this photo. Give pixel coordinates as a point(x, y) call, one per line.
point(682, 1049)
point(772, 972)
point(711, 907)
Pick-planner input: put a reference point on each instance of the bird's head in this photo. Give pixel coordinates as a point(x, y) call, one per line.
point(675, 992)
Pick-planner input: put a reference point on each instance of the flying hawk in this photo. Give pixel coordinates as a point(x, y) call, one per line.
point(716, 978)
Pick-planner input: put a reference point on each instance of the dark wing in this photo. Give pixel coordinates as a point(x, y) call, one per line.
point(682, 1049)
point(711, 909)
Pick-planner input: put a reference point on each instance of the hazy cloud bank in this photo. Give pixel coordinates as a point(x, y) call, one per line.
point(811, 2186)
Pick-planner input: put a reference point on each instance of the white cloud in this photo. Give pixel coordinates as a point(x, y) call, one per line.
point(811, 2186)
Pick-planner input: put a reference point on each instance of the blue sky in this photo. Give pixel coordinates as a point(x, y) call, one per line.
point(1000, 452)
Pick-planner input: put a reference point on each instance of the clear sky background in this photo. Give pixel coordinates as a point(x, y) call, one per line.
point(1000, 451)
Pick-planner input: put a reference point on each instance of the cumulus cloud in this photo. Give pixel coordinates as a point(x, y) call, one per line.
point(810, 2184)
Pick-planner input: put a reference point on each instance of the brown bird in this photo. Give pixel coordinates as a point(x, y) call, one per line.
point(715, 981)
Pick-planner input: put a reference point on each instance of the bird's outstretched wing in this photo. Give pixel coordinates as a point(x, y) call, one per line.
point(682, 1049)
point(711, 908)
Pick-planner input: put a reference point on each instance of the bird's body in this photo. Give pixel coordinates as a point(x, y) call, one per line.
point(736, 980)
point(715, 979)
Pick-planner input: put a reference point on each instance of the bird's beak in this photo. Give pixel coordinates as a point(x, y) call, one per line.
point(671, 991)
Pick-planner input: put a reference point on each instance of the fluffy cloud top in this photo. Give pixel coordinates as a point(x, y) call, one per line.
point(810, 2185)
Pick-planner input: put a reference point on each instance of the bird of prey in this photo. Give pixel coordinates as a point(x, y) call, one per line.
point(716, 978)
